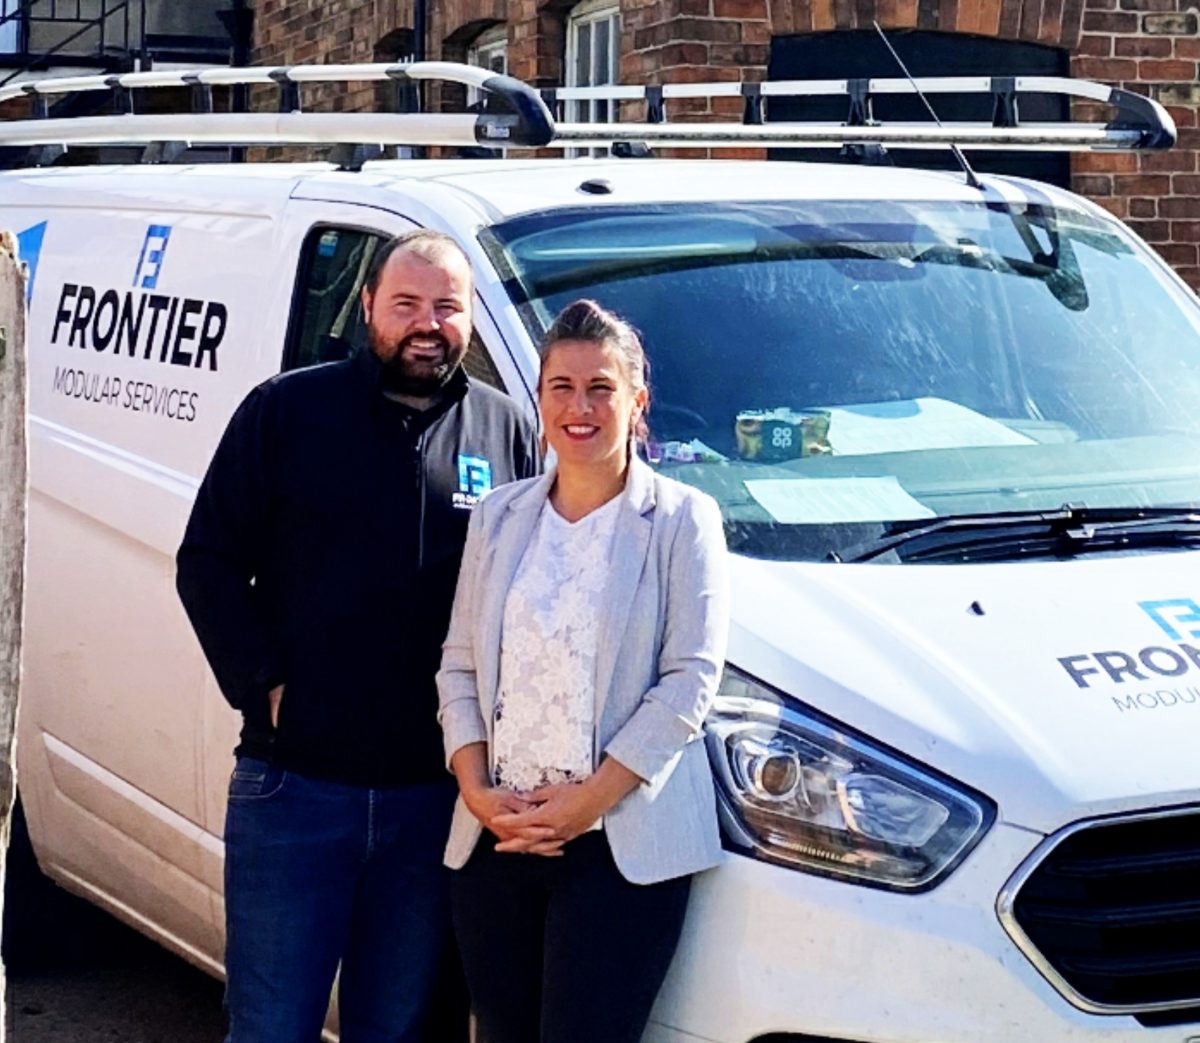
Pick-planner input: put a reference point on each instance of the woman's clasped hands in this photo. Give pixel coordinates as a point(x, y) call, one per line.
point(554, 815)
point(541, 821)
point(538, 822)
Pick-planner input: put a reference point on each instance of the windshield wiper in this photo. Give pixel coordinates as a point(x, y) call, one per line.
point(1069, 530)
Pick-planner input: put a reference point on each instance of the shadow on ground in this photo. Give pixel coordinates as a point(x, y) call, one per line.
point(76, 975)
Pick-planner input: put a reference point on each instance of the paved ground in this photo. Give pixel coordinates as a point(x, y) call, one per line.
point(104, 983)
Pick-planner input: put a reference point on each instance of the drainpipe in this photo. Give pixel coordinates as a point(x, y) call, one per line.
point(420, 30)
point(238, 20)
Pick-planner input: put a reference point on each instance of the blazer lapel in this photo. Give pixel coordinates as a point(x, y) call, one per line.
point(631, 541)
point(512, 535)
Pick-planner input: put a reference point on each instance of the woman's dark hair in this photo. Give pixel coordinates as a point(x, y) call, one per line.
point(587, 321)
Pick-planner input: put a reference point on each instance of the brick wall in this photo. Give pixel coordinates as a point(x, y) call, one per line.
point(696, 41)
point(1152, 47)
point(691, 41)
point(295, 32)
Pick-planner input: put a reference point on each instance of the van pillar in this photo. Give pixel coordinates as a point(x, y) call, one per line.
point(13, 487)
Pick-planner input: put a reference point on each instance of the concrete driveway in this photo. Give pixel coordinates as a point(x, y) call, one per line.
point(98, 981)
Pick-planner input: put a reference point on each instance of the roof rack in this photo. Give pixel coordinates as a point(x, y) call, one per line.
point(524, 118)
point(527, 123)
point(1138, 123)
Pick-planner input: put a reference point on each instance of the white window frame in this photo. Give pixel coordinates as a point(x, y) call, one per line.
point(590, 13)
point(487, 46)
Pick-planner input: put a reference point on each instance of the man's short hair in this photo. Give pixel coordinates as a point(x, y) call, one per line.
point(426, 243)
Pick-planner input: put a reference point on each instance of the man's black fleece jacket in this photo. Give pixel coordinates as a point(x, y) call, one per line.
point(322, 554)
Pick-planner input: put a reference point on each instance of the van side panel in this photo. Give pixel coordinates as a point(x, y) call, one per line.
point(147, 325)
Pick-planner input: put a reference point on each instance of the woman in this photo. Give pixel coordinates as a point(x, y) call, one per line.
point(585, 648)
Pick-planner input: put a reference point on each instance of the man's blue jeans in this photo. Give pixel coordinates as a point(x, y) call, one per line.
point(317, 873)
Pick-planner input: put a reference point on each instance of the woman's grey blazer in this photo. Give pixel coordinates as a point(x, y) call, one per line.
point(660, 651)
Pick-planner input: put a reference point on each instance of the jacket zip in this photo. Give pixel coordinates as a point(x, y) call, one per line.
point(421, 499)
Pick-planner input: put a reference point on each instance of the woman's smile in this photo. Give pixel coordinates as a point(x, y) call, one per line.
point(580, 431)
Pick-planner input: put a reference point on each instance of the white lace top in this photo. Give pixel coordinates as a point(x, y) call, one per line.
point(545, 707)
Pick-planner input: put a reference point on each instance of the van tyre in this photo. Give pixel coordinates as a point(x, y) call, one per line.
point(39, 916)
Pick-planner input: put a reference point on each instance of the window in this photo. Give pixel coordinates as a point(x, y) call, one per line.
point(593, 42)
point(327, 319)
point(10, 26)
point(489, 51)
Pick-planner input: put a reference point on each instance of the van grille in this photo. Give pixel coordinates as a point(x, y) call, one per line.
point(1113, 909)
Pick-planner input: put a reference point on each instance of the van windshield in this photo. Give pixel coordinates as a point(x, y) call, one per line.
point(828, 369)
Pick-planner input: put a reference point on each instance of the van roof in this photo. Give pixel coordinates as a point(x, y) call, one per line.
point(499, 189)
point(521, 186)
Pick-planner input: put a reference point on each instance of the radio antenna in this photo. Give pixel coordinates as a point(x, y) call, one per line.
point(972, 177)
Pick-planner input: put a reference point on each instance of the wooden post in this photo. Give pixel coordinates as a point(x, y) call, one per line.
point(13, 479)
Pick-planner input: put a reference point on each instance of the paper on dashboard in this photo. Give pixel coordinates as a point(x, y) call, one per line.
point(822, 501)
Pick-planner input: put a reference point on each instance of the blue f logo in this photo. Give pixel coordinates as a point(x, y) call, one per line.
point(1174, 615)
point(29, 246)
point(150, 263)
point(474, 475)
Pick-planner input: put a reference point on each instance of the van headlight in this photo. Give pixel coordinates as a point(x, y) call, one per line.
point(799, 789)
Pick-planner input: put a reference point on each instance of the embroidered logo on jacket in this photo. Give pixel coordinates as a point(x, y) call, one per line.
point(474, 480)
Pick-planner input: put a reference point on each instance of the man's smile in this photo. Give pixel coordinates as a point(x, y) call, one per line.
point(424, 349)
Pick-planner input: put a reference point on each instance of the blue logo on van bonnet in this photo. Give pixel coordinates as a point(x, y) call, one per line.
point(1173, 614)
point(474, 475)
point(154, 248)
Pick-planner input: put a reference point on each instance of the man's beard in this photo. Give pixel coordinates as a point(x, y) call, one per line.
point(403, 377)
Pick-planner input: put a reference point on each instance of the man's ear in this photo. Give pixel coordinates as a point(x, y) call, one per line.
point(367, 301)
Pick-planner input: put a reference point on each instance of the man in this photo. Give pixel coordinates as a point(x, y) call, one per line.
point(318, 569)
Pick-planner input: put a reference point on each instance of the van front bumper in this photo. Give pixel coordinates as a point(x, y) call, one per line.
point(769, 950)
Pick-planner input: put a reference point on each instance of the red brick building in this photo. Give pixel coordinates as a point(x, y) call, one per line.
point(1149, 46)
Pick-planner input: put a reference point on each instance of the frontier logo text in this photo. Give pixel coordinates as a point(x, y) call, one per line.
point(181, 331)
point(1179, 620)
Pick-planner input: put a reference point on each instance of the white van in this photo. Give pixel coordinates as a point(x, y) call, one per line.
point(954, 428)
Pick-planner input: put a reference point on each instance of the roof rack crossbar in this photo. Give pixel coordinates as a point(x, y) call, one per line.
point(528, 117)
point(122, 97)
point(202, 96)
point(1004, 102)
point(163, 152)
point(289, 91)
point(752, 110)
point(860, 104)
point(655, 111)
point(405, 97)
